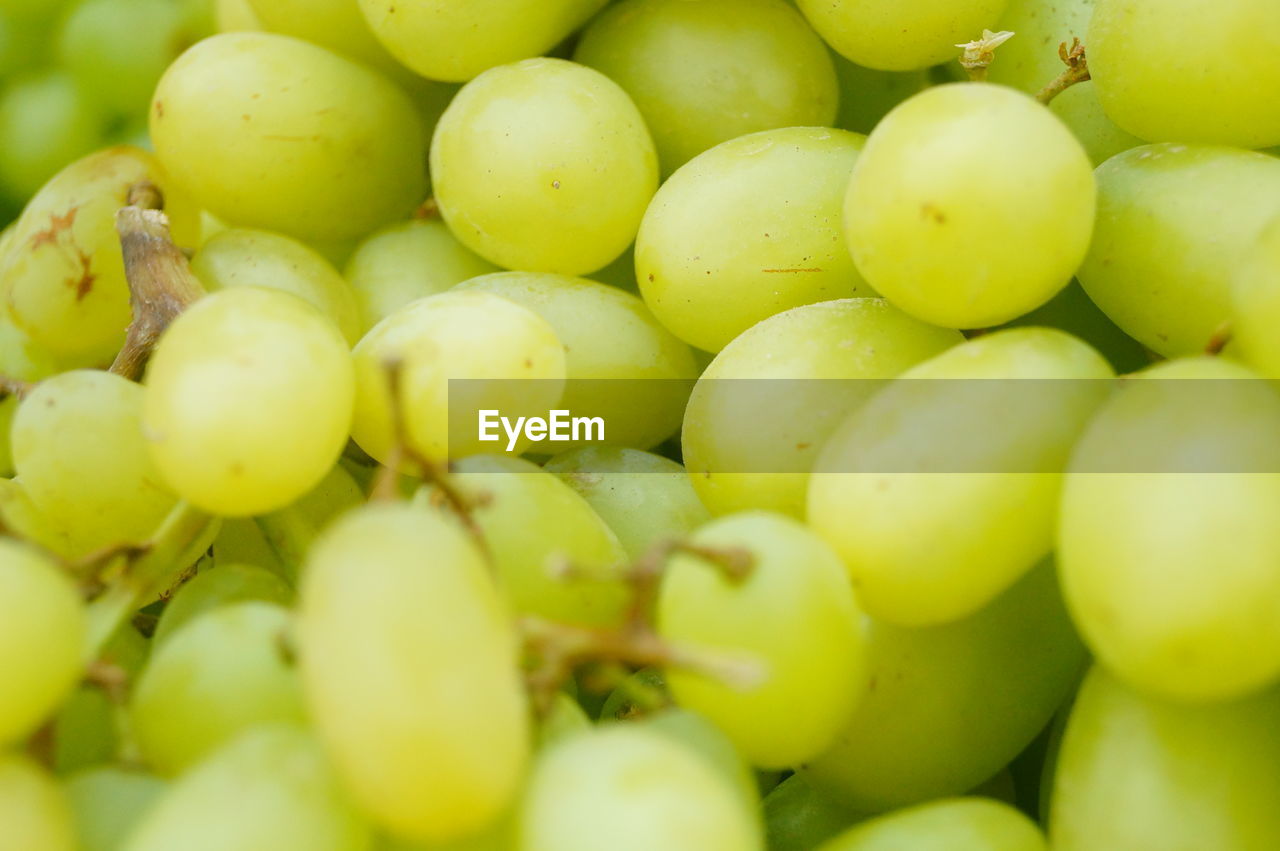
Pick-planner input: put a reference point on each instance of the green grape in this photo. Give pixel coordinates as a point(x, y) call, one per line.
point(20, 356)
point(534, 527)
point(270, 132)
point(45, 10)
point(946, 707)
point(23, 42)
point(795, 615)
point(543, 165)
point(706, 72)
point(86, 730)
point(1145, 775)
point(108, 802)
point(638, 787)
point(248, 401)
point(42, 625)
point(27, 522)
point(644, 498)
point(748, 229)
point(1169, 561)
point(930, 543)
point(565, 719)
point(236, 16)
point(407, 261)
point(621, 365)
point(1080, 109)
point(1073, 312)
point(457, 39)
point(33, 809)
point(704, 739)
point(797, 818)
point(335, 24)
point(743, 431)
point(46, 121)
point(216, 588)
point(291, 530)
point(248, 258)
point(79, 447)
point(867, 96)
point(449, 337)
point(431, 741)
point(1255, 302)
point(268, 789)
point(956, 824)
point(984, 220)
point(63, 275)
point(900, 35)
point(220, 674)
point(1183, 71)
point(241, 541)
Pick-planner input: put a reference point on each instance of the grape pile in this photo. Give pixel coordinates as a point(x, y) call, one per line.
point(934, 500)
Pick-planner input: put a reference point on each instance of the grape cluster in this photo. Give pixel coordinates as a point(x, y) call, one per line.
point(936, 502)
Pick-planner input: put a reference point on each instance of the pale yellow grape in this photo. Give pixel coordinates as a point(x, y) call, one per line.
point(79, 447)
point(249, 258)
point(410, 668)
point(107, 802)
point(543, 165)
point(637, 787)
point(927, 542)
point(867, 96)
point(1080, 109)
point(1146, 775)
point(900, 35)
point(457, 39)
point(957, 824)
point(248, 401)
point(267, 790)
point(407, 261)
point(1256, 304)
point(621, 364)
point(706, 72)
point(33, 809)
point(63, 276)
point(42, 624)
point(270, 132)
point(748, 229)
point(795, 616)
point(970, 205)
point(1185, 71)
point(1174, 224)
point(214, 588)
point(946, 707)
point(646, 499)
point(1170, 556)
point(763, 408)
point(511, 358)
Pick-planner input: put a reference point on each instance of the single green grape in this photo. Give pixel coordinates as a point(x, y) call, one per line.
point(107, 802)
point(241, 541)
point(88, 728)
point(1080, 109)
point(27, 522)
point(956, 824)
point(290, 531)
point(565, 719)
point(1255, 303)
point(746, 230)
point(236, 16)
point(867, 96)
point(33, 809)
point(218, 587)
point(46, 120)
point(797, 818)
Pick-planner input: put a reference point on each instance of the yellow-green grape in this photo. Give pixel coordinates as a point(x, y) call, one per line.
point(501, 356)
point(536, 528)
point(248, 401)
point(42, 625)
point(107, 802)
point(621, 365)
point(270, 788)
point(241, 541)
point(27, 522)
point(408, 261)
point(749, 440)
point(900, 35)
point(1146, 775)
point(970, 205)
point(33, 809)
point(215, 588)
point(430, 741)
point(942, 490)
point(63, 275)
point(1183, 71)
point(646, 499)
point(1255, 302)
point(79, 447)
point(706, 72)
point(794, 614)
point(946, 707)
point(270, 132)
point(636, 786)
point(1170, 558)
point(88, 728)
point(217, 676)
point(335, 24)
point(249, 258)
point(1080, 109)
point(543, 165)
point(458, 39)
point(1174, 224)
point(291, 530)
point(957, 824)
point(236, 16)
point(867, 96)
point(46, 121)
point(797, 818)
point(565, 719)
point(748, 229)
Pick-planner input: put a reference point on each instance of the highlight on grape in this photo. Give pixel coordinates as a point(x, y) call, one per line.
point(670, 425)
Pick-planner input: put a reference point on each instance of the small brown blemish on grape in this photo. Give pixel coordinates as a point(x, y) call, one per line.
point(651, 277)
point(775, 271)
point(236, 469)
point(803, 446)
point(84, 286)
point(929, 211)
point(57, 224)
point(159, 109)
point(555, 184)
point(528, 363)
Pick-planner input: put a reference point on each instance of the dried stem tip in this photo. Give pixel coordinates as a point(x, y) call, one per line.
point(1077, 71)
point(978, 55)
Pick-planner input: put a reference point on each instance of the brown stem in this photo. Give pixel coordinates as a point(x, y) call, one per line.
point(111, 678)
point(980, 53)
point(1221, 338)
point(1077, 71)
point(427, 210)
point(14, 387)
